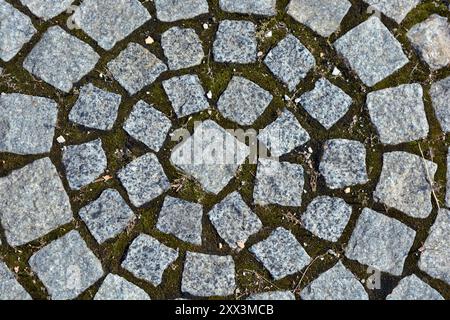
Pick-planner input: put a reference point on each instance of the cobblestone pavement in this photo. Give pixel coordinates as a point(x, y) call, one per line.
point(100, 197)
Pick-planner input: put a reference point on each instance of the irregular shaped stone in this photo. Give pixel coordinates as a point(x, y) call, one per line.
point(338, 283)
point(440, 95)
point(235, 42)
point(211, 156)
point(95, 108)
point(84, 163)
point(412, 288)
point(186, 95)
point(283, 135)
point(273, 295)
point(447, 193)
point(281, 254)
point(36, 203)
point(279, 183)
point(108, 22)
point(290, 61)
point(326, 217)
point(257, 7)
point(27, 123)
point(182, 48)
point(208, 275)
point(435, 257)
point(136, 67)
point(117, 288)
point(182, 219)
point(107, 216)
point(431, 39)
point(243, 101)
point(327, 103)
point(60, 59)
point(322, 16)
point(173, 10)
point(396, 10)
point(148, 125)
point(147, 259)
point(66, 266)
point(405, 184)
point(16, 30)
point(371, 51)
point(380, 242)
point(144, 179)
point(398, 114)
point(47, 9)
point(234, 221)
point(10, 289)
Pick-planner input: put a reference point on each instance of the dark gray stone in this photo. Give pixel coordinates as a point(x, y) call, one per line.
point(257, 7)
point(182, 48)
point(414, 289)
point(117, 288)
point(47, 9)
point(173, 10)
point(10, 289)
point(396, 10)
point(273, 295)
point(440, 96)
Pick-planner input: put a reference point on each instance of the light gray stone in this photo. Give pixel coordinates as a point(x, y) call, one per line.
point(371, 51)
point(109, 22)
point(36, 203)
point(412, 288)
point(107, 216)
point(273, 295)
point(66, 266)
point(327, 103)
point(148, 125)
point(10, 289)
point(290, 61)
point(27, 123)
point(279, 183)
point(186, 95)
point(135, 68)
point(60, 59)
point(117, 288)
point(47, 9)
point(235, 42)
point(281, 254)
point(380, 242)
point(405, 184)
point(182, 48)
point(182, 219)
point(173, 10)
point(398, 114)
point(144, 179)
point(84, 163)
point(396, 10)
point(147, 259)
point(338, 283)
point(440, 95)
point(447, 193)
point(208, 275)
point(95, 108)
point(257, 7)
point(243, 101)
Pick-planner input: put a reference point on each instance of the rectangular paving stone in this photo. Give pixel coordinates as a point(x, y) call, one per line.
point(173, 10)
point(47, 9)
point(10, 288)
point(116, 288)
point(257, 7)
point(414, 289)
point(396, 10)
point(182, 48)
point(440, 95)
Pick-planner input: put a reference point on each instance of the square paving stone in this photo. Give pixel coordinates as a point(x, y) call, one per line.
point(398, 114)
point(396, 10)
point(107, 216)
point(182, 48)
point(290, 61)
point(16, 29)
point(60, 59)
point(279, 183)
point(326, 217)
point(136, 67)
point(208, 275)
point(84, 163)
point(36, 203)
point(380, 242)
point(243, 101)
point(27, 123)
point(234, 221)
point(186, 95)
point(371, 51)
point(182, 219)
point(322, 16)
point(257, 7)
point(343, 163)
point(148, 125)
point(273, 295)
point(95, 108)
point(430, 38)
point(440, 95)
point(327, 103)
point(235, 42)
point(405, 184)
point(435, 257)
point(109, 21)
point(66, 266)
point(144, 179)
point(281, 254)
point(147, 259)
point(211, 155)
point(173, 10)
point(414, 289)
point(10, 289)
point(117, 288)
point(47, 9)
